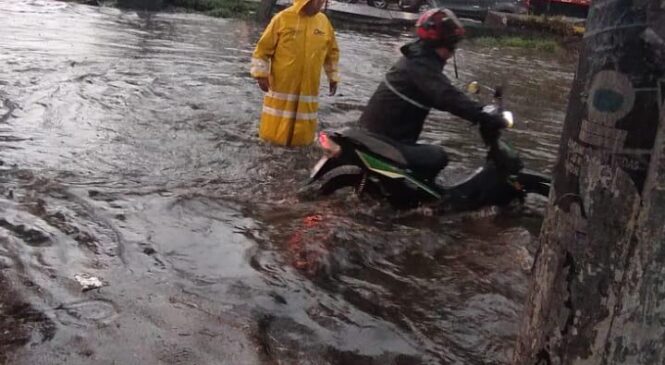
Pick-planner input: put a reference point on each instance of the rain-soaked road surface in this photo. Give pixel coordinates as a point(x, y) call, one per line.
point(128, 151)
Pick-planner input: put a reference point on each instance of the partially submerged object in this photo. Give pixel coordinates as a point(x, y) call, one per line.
point(89, 282)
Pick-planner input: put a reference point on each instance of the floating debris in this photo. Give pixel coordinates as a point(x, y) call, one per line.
point(89, 282)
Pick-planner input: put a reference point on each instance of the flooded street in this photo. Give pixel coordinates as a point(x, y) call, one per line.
point(129, 152)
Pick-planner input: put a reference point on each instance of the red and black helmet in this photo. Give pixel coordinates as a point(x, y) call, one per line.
point(440, 27)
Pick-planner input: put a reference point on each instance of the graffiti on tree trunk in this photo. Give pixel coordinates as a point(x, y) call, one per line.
point(612, 133)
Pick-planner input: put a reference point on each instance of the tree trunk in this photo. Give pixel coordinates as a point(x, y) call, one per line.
point(598, 290)
point(141, 4)
point(264, 13)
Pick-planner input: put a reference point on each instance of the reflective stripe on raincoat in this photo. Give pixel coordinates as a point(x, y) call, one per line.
point(291, 52)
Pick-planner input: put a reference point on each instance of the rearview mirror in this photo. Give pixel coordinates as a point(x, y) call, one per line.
point(498, 92)
point(473, 87)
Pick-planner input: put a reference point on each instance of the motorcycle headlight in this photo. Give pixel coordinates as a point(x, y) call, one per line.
point(508, 116)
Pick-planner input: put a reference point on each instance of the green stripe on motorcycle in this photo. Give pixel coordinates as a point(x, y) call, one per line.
point(386, 169)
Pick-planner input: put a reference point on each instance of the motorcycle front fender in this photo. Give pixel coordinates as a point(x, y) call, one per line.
point(324, 165)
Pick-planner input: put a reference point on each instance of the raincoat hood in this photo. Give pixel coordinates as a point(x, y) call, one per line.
point(298, 5)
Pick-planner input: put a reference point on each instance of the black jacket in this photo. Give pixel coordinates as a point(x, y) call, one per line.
point(413, 86)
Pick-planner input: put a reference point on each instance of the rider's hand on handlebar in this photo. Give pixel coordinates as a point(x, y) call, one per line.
point(499, 120)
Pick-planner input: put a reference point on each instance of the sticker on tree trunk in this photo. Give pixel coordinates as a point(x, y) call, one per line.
point(620, 125)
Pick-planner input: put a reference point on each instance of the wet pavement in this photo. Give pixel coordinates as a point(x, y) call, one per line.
point(128, 152)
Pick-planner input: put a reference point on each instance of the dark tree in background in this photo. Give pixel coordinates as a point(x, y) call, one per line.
point(598, 287)
point(264, 12)
point(141, 4)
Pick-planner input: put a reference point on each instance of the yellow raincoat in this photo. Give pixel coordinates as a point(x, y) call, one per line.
point(291, 52)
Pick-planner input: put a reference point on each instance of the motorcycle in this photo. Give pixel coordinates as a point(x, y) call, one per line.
point(372, 165)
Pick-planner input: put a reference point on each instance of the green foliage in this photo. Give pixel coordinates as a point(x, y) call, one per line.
point(550, 25)
point(540, 44)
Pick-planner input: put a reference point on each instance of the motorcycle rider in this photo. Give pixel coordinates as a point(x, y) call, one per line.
point(415, 84)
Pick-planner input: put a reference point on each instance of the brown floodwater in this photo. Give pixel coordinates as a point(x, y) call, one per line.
point(129, 152)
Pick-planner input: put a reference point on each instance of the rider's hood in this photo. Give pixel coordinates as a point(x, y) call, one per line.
point(418, 50)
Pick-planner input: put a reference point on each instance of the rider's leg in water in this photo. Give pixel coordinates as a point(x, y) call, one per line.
point(426, 160)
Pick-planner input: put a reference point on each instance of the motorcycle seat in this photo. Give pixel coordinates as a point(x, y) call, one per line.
point(376, 144)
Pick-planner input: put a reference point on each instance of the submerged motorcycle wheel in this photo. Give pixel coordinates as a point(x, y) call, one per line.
point(341, 177)
point(338, 178)
point(534, 182)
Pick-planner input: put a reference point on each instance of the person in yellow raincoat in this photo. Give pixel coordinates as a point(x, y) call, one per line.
point(287, 63)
